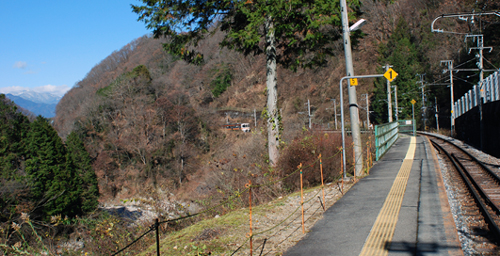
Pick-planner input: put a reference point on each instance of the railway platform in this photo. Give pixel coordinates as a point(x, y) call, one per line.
point(401, 208)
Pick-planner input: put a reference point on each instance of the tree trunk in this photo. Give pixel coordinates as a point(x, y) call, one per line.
point(272, 94)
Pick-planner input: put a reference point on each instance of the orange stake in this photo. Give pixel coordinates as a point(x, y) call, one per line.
point(250, 207)
point(302, 198)
point(322, 184)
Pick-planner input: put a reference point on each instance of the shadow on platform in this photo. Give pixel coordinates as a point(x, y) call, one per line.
point(423, 248)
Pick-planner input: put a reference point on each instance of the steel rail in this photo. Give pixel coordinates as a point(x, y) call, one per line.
point(472, 185)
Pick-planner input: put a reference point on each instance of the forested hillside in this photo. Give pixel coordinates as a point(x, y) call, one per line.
point(149, 119)
point(145, 126)
point(40, 176)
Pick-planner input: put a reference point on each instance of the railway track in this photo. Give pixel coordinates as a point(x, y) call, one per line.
point(478, 190)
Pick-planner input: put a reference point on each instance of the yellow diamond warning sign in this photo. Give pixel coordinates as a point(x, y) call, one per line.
point(413, 102)
point(390, 74)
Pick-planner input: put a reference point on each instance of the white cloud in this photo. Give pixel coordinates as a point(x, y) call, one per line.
point(20, 64)
point(11, 89)
point(54, 89)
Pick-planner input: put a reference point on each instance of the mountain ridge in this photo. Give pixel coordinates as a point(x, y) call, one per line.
point(42, 108)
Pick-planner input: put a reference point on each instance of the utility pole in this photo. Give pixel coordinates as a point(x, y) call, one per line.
point(353, 105)
point(423, 97)
point(367, 112)
point(449, 63)
point(334, 101)
point(396, 102)
point(255, 118)
point(389, 101)
point(437, 115)
point(480, 47)
point(309, 113)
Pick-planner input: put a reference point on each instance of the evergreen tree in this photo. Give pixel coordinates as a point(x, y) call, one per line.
point(54, 185)
point(402, 53)
point(38, 173)
point(13, 130)
point(80, 160)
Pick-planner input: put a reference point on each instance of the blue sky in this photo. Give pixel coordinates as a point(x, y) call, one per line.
point(53, 44)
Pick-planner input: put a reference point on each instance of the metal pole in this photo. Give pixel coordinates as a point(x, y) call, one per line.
point(353, 105)
point(389, 100)
point(255, 118)
point(423, 98)
point(452, 100)
point(449, 63)
point(482, 137)
point(396, 102)
point(413, 117)
point(335, 110)
point(309, 113)
point(437, 115)
point(367, 114)
point(342, 117)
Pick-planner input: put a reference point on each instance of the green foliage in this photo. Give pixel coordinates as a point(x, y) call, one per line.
point(54, 184)
point(80, 160)
point(13, 129)
point(304, 30)
point(222, 80)
point(402, 53)
point(41, 176)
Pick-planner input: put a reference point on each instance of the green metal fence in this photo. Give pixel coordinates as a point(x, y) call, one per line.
point(407, 126)
point(385, 136)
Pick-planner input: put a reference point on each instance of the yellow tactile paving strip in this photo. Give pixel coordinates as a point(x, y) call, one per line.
point(383, 230)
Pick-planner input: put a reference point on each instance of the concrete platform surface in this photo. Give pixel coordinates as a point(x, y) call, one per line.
point(373, 219)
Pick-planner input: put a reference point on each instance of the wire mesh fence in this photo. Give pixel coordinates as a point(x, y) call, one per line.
point(285, 228)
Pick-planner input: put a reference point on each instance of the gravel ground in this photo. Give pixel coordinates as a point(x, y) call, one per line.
point(466, 239)
point(286, 228)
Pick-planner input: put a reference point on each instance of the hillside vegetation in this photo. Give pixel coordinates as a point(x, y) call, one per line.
point(149, 119)
point(151, 124)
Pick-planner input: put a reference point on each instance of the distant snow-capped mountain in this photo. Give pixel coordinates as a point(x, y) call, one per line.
point(39, 103)
point(37, 97)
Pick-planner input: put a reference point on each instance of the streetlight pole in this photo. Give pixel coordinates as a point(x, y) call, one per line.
point(353, 105)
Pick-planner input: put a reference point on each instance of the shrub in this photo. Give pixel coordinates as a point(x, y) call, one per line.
point(222, 80)
point(306, 149)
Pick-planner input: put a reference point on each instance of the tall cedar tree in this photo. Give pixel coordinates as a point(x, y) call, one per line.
point(37, 173)
point(80, 160)
point(55, 186)
point(13, 130)
point(400, 52)
point(292, 33)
